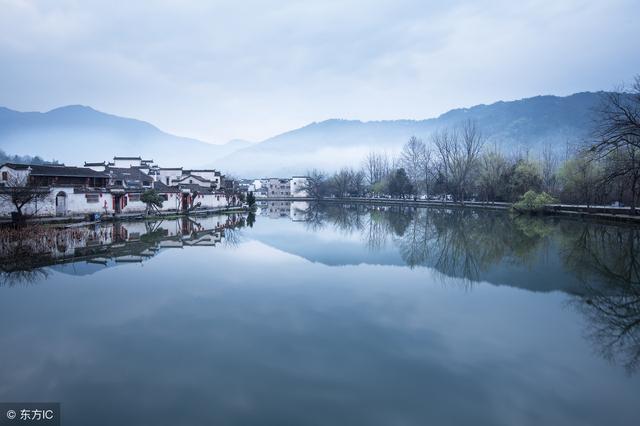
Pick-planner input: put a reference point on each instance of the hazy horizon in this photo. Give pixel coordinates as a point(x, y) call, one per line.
point(216, 72)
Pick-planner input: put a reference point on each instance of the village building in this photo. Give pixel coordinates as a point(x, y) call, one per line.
point(114, 187)
point(299, 185)
point(278, 188)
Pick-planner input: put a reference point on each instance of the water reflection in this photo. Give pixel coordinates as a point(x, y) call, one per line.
point(609, 256)
point(602, 260)
point(24, 253)
point(596, 264)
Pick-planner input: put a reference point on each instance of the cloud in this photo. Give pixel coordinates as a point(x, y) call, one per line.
point(217, 70)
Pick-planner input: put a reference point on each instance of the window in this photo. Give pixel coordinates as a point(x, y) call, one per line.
point(92, 198)
point(167, 180)
point(134, 197)
point(164, 197)
point(5, 176)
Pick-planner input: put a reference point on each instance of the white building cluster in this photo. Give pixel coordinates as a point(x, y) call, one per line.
point(293, 187)
point(115, 187)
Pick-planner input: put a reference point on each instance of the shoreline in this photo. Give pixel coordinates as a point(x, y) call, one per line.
point(602, 213)
point(81, 220)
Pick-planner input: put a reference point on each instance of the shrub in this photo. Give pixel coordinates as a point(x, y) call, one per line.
point(531, 201)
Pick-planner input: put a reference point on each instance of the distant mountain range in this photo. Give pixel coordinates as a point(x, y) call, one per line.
point(75, 134)
point(523, 125)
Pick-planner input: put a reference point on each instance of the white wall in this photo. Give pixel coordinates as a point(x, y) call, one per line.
point(298, 185)
point(171, 174)
point(127, 163)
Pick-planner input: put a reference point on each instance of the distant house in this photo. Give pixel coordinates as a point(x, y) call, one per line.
point(278, 187)
point(298, 186)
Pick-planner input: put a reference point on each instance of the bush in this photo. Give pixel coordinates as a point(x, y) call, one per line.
point(531, 201)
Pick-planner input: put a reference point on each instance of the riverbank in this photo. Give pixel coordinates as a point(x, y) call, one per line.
point(81, 220)
point(607, 213)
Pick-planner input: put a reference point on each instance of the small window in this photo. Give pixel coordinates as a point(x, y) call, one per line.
point(92, 198)
point(5, 176)
point(167, 180)
point(134, 197)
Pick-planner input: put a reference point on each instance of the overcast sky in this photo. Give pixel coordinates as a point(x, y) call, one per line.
point(217, 70)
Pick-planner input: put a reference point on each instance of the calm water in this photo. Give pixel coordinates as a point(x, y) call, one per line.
point(327, 315)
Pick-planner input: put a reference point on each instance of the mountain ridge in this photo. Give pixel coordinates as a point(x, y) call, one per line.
point(525, 124)
point(77, 133)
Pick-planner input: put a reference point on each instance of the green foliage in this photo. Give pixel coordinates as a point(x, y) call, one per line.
point(151, 198)
point(532, 201)
point(579, 178)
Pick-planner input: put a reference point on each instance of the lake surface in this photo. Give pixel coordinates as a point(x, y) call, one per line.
point(327, 315)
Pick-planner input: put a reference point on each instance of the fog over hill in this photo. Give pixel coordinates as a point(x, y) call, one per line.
point(523, 125)
point(75, 134)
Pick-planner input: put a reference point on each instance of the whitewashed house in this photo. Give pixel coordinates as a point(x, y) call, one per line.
point(71, 190)
point(113, 188)
point(278, 188)
point(298, 186)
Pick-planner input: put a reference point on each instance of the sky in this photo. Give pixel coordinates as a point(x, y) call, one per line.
point(218, 70)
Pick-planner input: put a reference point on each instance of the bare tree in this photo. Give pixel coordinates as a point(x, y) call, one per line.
point(411, 159)
point(617, 137)
point(341, 182)
point(493, 167)
point(316, 184)
point(618, 122)
point(549, 170)
point(19, 191)
point(459, 151)
point(376, 167)
point(427, 170)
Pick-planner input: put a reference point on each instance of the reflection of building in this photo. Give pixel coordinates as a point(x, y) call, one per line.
point(298, 211)
point(113, 242)
point(294, 210)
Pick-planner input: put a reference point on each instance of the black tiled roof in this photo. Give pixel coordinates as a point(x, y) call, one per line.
point(132, 176)
point(55, 170)
point(161, 187)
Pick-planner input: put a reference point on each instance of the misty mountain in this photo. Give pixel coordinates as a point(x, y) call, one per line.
point(522, 125)
point(75, 134)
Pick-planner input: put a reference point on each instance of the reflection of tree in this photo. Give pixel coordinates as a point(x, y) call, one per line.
point(463, 243)
point(457, 242)
point(22, 277)
point(607, 261)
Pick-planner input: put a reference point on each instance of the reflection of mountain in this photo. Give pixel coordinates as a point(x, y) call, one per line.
point(597, 264)
point(477, 246)
point(83, 251)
